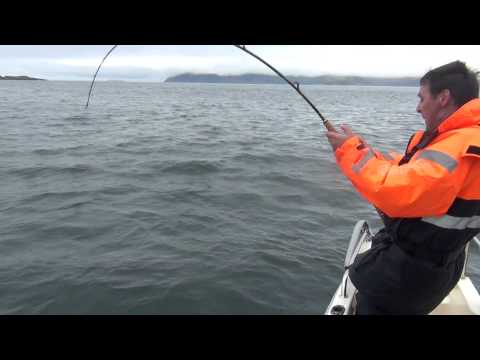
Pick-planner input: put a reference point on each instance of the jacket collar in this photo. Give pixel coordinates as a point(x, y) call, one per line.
point(466, 116)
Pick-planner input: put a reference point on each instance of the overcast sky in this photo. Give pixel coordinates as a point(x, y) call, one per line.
point(156, 62)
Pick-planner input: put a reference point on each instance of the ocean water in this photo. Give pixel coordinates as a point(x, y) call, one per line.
point(182, 198)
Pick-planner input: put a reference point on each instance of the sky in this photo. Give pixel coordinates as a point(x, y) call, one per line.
point(157, 62)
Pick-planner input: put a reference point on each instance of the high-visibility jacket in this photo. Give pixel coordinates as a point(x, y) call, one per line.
point(433, 197)
point(431, 201)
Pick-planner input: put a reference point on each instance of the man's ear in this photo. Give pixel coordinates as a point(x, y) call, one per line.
point(445, 97)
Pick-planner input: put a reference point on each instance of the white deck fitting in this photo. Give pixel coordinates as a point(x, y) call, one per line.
point(462, 300)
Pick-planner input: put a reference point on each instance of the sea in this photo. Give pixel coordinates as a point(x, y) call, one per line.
point(185, 199)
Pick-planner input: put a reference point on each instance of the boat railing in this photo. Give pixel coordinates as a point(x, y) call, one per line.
point(467, 251)
point(476, 241)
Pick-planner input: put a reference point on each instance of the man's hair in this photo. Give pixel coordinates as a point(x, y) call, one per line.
point(456, 77)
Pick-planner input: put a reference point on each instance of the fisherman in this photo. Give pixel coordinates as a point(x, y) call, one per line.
point(429, 198)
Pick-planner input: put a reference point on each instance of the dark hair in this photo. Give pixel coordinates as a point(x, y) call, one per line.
point(456, 77)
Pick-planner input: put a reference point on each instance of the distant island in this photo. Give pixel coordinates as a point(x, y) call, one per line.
point(302, 80)
point(18, 78)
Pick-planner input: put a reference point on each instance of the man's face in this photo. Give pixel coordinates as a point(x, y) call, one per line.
point(429, 106)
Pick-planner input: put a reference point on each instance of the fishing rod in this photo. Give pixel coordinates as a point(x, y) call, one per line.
point(295, 86)
point(94, 76)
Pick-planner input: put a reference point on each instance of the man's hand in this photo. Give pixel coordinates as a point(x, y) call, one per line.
point(337, 139)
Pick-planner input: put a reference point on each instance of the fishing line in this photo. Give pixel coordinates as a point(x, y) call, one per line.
point(295, 86)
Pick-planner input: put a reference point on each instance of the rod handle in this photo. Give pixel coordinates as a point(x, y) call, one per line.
point(329, 126)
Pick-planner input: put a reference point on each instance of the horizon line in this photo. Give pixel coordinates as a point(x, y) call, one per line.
point(392, 77)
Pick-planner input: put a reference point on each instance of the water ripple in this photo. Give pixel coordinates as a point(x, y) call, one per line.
point(181, 198)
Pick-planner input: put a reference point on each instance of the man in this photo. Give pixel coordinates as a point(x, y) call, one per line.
point(429, 199)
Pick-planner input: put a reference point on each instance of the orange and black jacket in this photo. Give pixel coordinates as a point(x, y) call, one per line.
point(431, 195)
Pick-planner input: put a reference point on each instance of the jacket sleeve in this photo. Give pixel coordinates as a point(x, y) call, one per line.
point(422, 187)
point(392, 157)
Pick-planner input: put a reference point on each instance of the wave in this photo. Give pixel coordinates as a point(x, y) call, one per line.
point(56, 196)
point(56, 151)
point(37, 171)
point(77, 118)
point(193, 167)
point(270, 158)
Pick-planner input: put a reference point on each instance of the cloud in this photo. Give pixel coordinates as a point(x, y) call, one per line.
point(156, 62)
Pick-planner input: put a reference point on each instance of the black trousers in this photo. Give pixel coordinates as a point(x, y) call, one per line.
point(391, 282)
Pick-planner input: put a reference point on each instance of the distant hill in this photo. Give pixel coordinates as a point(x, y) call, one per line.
point(18, 78)
point(303, 80)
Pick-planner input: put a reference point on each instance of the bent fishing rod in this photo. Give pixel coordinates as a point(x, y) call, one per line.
point(96, 72)
point(295, 86)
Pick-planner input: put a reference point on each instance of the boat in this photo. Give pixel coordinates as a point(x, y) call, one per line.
point(464, 299)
